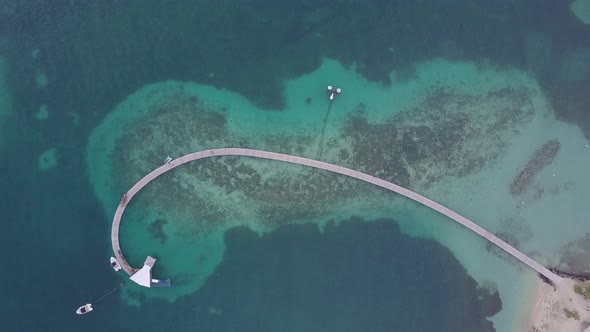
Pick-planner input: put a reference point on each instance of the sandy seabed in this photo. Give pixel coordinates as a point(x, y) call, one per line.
point(548, 313)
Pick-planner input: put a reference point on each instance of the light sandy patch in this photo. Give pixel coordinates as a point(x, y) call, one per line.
point(43, 113)
point(552, 307)
point(48, 159)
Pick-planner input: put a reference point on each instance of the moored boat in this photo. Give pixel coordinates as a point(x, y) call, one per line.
point(84, 309)
point(115, 264)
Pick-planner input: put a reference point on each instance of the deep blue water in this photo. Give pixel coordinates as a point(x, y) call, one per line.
point(55, 235)
point(358, 276)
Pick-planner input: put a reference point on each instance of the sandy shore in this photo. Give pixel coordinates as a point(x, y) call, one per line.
point(549, 310)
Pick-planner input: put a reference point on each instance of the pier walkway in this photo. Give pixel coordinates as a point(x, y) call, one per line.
point(320, 165)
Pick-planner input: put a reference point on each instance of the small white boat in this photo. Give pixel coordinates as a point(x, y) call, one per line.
point(115, 264)
point(84, 309)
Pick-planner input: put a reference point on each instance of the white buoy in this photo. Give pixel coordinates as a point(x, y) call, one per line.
point(333, 92)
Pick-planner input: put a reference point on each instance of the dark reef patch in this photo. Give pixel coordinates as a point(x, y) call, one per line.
point(539, 160)
point(490, 300)
point(448, 134)
point(175, 116)
point(156, 229)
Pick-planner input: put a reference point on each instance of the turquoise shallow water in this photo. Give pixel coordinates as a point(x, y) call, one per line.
point(432, 99)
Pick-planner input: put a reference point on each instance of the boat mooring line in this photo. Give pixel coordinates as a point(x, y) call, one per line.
point(109, 293)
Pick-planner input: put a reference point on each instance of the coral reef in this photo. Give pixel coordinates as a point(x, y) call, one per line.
point(448, 134)
point(540, 159)
point(181, 122)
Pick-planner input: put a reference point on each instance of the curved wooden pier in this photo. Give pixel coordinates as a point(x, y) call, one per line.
point(320, 165)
